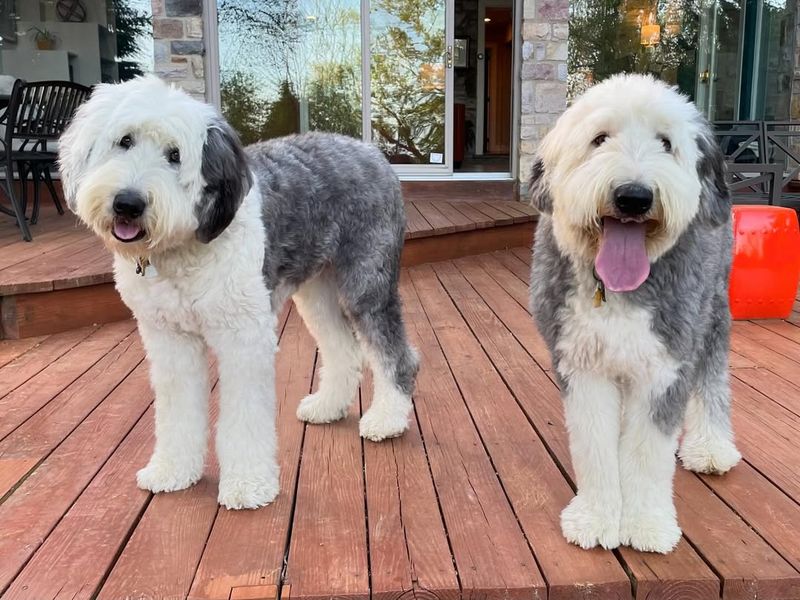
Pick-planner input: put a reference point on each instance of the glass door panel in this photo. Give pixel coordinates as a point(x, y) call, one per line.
point(290, 66)
point(410, 79)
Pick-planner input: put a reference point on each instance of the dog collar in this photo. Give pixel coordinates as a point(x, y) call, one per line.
point(599, 290)
point(145, 268)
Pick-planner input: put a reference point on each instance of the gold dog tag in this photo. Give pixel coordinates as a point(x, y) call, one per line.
point(599, 294)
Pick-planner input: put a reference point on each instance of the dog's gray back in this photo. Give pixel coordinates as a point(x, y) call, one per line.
point(327, 200)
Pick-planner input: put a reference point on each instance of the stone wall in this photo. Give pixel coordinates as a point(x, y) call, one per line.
point(543, 96)
point(179, 49)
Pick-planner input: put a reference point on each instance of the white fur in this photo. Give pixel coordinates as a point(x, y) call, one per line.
point(623, 464)
point(632, 112)
point(318, 304)
point(204, 295)
point(707, 446)
point(210, 294)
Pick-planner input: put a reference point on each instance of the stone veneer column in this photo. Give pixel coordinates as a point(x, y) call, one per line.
point(179, 49)
point(543, 97)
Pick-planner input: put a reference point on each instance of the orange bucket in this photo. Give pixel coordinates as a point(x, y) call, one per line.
point(766, 262)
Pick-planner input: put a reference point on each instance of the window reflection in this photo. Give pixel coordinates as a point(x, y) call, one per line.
point(732, 57)
point(290, 66)
point(84, 41)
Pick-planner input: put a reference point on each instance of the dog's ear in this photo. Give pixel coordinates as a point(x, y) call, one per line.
point(75, 144)
point(715, 197)
point(227, 180)
point(538, 188)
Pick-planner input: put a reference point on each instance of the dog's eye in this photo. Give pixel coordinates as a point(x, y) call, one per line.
point(126, 142)
point(599, 140)
point(666, 143)
point(174, 156)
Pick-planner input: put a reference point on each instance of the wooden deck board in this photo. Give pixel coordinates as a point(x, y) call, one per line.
point(408, 546)
point(246, 548)
point(26, 399)
point(64, 254)
point(35, 507)
point(328, 553)
point(464, 505)
point(491, 555)
point(32, 441)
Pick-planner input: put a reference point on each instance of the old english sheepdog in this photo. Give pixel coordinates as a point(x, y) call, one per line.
point(209, 240)
point(630, 291)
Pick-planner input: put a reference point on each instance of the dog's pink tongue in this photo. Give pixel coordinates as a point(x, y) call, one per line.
point(622, 262)
point(126, 231)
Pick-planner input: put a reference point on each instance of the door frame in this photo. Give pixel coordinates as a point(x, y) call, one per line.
point(409, 172)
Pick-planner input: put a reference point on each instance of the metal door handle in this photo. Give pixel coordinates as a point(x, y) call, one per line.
point(449, 57)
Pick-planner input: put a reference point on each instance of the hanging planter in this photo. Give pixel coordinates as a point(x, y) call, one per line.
point(45, 40)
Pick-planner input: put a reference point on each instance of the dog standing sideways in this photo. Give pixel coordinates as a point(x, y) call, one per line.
point(629, 288)
point(209, 240)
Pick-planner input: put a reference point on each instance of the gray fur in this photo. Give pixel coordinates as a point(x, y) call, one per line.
point(686, 293)
point(227, 178)
point(540, 194)
point(333, 204)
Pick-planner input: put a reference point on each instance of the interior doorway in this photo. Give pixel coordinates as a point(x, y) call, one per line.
point(484, 92)
point(498, 58)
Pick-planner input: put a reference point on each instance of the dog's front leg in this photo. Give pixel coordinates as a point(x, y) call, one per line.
point(650, 428)
point(179, 375)
point(246, 436)
point(592, 406)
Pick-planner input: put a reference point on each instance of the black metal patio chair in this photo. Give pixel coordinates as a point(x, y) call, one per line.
point(38, 112)
point(741, 141)
point(782, 141)
point(755, 183)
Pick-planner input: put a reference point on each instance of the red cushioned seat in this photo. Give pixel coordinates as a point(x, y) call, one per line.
point(766, 262)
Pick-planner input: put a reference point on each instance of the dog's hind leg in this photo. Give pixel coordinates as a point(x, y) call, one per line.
point(317, 301)
point(179, 374)
point(708, 445)
point(394, 367)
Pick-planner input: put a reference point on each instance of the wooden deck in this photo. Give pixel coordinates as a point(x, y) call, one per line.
point(465, 505)
point(64, 254)
point(63, 279)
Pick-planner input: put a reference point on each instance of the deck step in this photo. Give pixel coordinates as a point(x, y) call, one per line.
point(63, 279)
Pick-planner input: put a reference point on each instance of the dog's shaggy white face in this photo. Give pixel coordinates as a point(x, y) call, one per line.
point(148, 168)
point(619, 170)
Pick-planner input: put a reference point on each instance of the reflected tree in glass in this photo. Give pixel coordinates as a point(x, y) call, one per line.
point(408, 78)
point(296, 63)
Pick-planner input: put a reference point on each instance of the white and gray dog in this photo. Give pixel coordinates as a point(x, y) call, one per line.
point(209, 240)
point(630, 291)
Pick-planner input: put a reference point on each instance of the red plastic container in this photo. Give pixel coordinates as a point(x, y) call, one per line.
point(766, 262)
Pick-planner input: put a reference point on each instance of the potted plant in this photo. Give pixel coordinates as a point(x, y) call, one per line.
point(45, 40)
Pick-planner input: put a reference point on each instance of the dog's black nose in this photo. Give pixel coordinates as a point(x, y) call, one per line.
point(633, 200)
point(129, 204)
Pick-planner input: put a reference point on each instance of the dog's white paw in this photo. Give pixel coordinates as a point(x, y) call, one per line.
point(591, 524)
point(320, 408)
point(656, 531)
point(163, 476)
point(238, 492)
point(384, 421)
point(708, 454)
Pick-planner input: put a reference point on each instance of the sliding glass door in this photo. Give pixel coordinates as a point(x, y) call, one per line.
point(379, 70)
